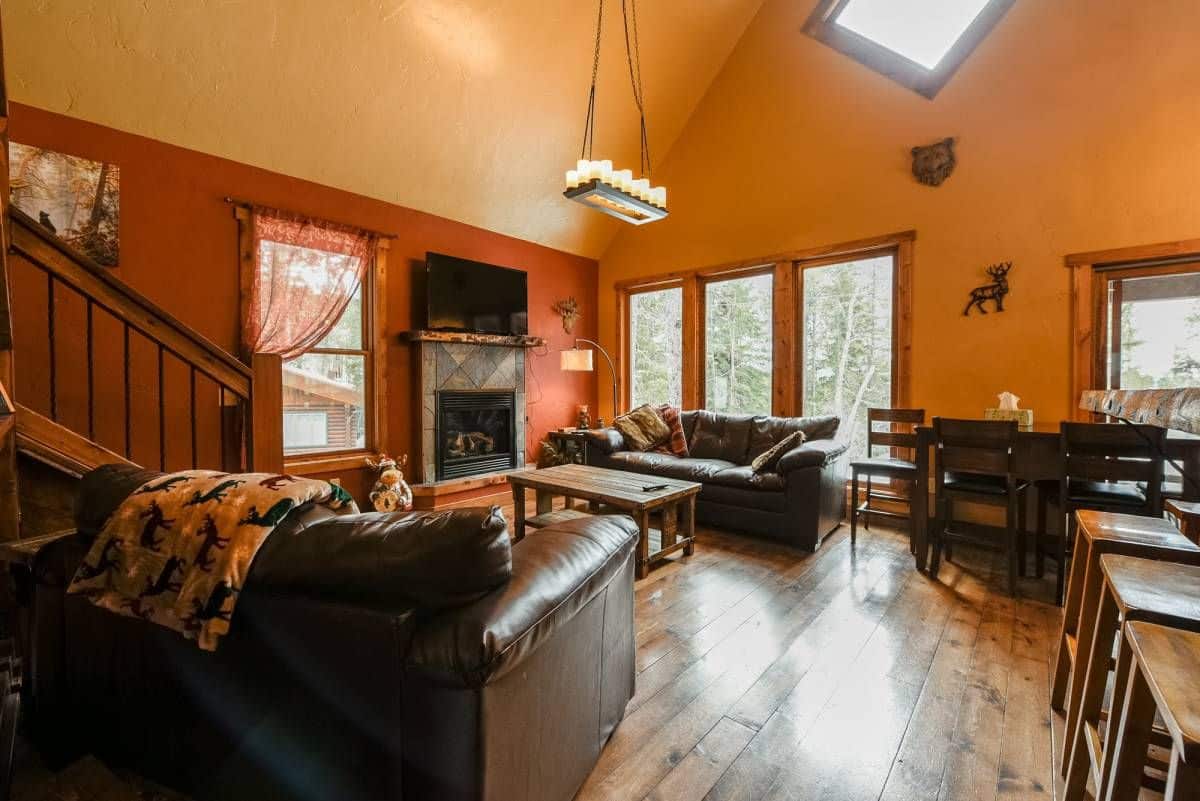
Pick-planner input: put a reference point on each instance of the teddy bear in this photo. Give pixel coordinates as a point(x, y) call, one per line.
point(391, 492)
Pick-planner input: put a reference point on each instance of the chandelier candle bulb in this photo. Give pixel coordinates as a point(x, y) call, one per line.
point(641, 189)
point(572, 179)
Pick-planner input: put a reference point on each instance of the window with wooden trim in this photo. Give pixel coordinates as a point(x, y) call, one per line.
point(847, 308)
point(917, 43)
point(1152, 327)
point(331, 403)
point(655, 346)
point(826, 330)
point(738, 347)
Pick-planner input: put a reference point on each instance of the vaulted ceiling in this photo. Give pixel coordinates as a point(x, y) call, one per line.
point(469, 109)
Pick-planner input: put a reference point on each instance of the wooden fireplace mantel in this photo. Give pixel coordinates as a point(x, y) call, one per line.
point(503, 340)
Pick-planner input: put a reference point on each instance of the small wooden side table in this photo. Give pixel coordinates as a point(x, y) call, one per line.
point(1187, 517)
point(1134, 589)
point(571, 445)
point(1099, 533)
point(1162, 678)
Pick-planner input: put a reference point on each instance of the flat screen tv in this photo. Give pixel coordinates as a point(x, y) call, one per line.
point(465, 295)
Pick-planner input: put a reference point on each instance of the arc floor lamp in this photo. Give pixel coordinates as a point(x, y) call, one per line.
point(580, 360)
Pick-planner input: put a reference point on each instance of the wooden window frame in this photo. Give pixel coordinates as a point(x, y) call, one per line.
point(268, 371)
point(1090, 273)
point(788, 347)
point(625, 338)
point(822, 25)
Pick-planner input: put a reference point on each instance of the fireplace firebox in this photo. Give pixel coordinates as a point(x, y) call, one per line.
point(476, 433)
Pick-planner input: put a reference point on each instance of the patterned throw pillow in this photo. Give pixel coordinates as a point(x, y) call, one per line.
point(676, 445)
point(642, 428)
point(768, 460)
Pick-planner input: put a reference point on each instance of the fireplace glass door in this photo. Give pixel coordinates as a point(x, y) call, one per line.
point(475, 433)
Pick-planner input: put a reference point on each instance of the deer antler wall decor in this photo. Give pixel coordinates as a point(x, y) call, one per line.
point(994, 291)
point(569, 311)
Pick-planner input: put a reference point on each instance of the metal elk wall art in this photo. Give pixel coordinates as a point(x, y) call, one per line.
point(994, 291)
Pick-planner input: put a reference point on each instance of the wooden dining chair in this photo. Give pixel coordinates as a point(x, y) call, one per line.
point(973, 461)
point(895, 429)
point(1108, 467)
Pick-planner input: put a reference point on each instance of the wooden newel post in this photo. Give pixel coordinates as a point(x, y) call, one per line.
point(265, 444)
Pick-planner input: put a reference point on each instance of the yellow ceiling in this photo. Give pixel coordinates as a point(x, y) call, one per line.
point(468, 109)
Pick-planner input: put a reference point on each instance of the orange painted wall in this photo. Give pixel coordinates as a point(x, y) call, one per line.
point(1077, 130)
point(179, 248)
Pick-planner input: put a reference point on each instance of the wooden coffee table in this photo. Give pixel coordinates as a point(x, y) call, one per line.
point(633, 493)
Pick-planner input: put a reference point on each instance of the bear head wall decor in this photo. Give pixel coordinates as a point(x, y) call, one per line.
point(933, 164)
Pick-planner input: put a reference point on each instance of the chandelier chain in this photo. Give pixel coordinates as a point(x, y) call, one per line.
point(589, 126)
point(633, 55)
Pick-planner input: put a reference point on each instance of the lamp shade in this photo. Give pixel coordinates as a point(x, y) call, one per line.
point(576, 360)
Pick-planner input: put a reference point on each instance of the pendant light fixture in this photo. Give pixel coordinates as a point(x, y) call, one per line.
point(594, 182)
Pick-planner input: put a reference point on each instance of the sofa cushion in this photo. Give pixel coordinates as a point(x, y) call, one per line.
point(677, 443)
point(432, 560)
point(660, 464)
point(744, 477)
point(721, 436)
point(643, 428)
point(767, 431)
point(742, 498)
point(606, 440)
point(101, 492)
point(768, 460)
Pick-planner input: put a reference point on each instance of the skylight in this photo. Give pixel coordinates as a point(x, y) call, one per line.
point(917, 43)
point(920, 30)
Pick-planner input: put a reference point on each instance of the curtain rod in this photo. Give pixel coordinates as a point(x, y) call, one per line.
point(233, 201)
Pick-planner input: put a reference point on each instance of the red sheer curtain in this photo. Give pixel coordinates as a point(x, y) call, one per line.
point(307, 272)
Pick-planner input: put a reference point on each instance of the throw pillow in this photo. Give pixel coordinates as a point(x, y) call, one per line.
point(767, 461)
point(677, 442)
point(642, 428)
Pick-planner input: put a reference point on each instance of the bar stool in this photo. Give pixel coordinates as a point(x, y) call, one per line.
point(888, 467)
point(1098, 533)
point(1162, 679)
point(973, 461)
point(1187, 517)
point(1134, 589)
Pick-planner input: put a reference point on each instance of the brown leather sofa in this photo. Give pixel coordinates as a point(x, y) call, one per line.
point(799, 503)
point(414, 656)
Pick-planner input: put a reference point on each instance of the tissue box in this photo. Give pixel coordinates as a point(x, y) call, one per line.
point(1024, 417)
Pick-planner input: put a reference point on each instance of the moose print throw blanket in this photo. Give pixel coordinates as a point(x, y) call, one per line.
point(178, 549)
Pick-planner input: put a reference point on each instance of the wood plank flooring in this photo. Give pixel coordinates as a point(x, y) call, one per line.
point(768, 673)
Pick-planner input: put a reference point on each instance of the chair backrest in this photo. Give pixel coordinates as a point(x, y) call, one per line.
point(982, 447)
point(900, 430)
point(1115, 452)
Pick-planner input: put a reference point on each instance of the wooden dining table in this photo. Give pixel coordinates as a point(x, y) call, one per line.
point(1036, 457)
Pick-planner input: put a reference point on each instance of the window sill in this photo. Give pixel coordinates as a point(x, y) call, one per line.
point(309, 464)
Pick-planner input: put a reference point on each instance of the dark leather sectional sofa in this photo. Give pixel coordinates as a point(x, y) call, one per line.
point(800, 503)
point(376, 656)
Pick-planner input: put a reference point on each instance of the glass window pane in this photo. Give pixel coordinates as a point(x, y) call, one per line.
point(1154, 338)
point(324, 383)
point(738, 345)
point(920, 30)
point(656, 347)
point(848, 343)
point(346, 334)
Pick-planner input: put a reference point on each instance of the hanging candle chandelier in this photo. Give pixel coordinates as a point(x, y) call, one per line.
point(594, 182)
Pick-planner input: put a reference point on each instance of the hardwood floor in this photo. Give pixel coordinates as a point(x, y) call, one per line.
point(766, 673)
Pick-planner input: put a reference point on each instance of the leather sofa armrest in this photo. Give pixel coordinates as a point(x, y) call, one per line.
point(606, 440)
point(817, 453)
point(556, 572)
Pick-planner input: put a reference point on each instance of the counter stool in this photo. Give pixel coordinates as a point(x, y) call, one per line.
point(900, 434)
point(1187, 517)
point(1099, 533)
point(1164, 666)
point(1134, 589)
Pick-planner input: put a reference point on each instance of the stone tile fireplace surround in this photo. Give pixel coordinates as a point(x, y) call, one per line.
point(472, 363)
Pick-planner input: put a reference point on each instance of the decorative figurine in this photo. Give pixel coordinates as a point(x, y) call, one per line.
point(391, 492)
point(569, 311)
point(994, 291)
point(933, 164)
point(585, 420)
